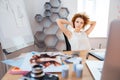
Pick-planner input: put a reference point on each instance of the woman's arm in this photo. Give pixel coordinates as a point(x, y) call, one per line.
point(92, 25)
point(61, 23)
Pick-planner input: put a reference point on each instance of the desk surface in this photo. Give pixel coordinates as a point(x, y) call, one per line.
point(85, 76)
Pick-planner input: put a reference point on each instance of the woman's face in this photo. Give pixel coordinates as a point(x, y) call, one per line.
point(79, 22)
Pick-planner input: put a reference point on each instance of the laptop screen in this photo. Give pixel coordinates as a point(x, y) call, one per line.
point(111, 67)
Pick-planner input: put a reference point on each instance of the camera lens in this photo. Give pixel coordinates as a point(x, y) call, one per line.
point(37, 71)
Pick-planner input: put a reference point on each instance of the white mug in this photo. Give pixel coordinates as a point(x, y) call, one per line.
point(74, 66)
point(79, 70)
point(65, 71)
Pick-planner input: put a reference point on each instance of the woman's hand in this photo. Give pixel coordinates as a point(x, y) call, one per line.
point(71, 24)
point(92, 25)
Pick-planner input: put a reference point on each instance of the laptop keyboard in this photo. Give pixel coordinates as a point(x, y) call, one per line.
point(95, 68)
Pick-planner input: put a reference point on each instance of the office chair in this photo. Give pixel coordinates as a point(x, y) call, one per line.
point(68, 46)
point(87, 55)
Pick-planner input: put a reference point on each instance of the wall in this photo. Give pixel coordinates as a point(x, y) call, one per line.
point(98, 43)
point(37, 7)
point(15, 30)
point(53, 38)
point(114, 13)
point(34, 7)
point(114, 10)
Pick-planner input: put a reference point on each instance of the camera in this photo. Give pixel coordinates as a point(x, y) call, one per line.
point(38, 74)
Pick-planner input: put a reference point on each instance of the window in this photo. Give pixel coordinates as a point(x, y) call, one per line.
point(97, 10)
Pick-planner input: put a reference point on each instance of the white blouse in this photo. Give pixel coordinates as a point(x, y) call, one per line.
point(79, 40)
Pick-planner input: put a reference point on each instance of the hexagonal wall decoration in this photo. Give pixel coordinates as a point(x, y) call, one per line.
point(46, 22)
point(47, 6)
point(60, 35)
point(38, 28)
point(39, 39)
point(51, 41)
point(55, 3)
point(63, 12)
point(61, 45)
point(51, 50)
point(49, 36)
point(52, 29)
point(47, 13)
point(38, 17)
point(42, 44)
point(54, 16)
point(40, 36)
point(55, 10)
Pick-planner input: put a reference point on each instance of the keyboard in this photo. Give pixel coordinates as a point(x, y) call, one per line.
point(95, 68)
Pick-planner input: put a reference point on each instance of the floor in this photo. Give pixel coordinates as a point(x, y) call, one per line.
point(28, 49)
point(23, 50)
point(4, 68)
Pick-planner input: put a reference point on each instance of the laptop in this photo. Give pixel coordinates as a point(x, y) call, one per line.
point(109, 69)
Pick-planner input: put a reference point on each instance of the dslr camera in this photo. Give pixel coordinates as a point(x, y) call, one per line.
point(38, 74)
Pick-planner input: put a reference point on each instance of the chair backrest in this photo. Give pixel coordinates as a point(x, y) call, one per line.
point(68, 46)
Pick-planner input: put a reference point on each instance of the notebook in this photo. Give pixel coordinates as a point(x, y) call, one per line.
point(98, 53)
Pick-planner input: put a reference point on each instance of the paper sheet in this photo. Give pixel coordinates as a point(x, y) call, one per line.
point(23, 62)
point(15, 61)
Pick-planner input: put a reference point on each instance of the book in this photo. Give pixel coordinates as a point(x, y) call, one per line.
point(17, 71)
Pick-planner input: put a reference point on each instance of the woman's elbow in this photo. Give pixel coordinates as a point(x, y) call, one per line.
point(94, 23)
point(58, 20)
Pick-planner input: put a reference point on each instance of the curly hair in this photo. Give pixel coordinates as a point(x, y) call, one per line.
point(80, 15)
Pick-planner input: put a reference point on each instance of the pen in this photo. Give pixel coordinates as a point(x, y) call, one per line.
point(33, 53)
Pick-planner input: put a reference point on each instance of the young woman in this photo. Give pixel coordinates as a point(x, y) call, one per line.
point(75, 32)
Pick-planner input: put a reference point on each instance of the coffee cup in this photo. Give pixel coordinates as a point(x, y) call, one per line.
point(79, 70)
point(65, 71)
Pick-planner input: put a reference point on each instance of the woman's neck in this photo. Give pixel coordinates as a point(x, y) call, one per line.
point(77, 30)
